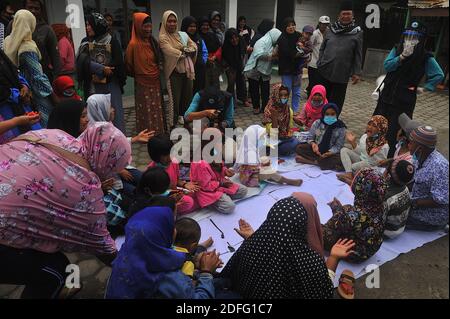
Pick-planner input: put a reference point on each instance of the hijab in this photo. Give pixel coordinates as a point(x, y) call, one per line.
point(374, 144)
point(140, 57)
point(314, 230)
point(145, 256)
point(324, 145)
point(21, 38)
point(264, 46)
point(250, 145)
point(66, 116)
point(234, 55)
point(265, 26)
point(185, 24)
point(61, 31)
point(312, 111)
point(9, 77)
point(248, 35)
point(212, 42)
point(61, 84)
point(99, 24)
point(277, 262)
point(287, 43)
point(99, 107)
point(284, 113)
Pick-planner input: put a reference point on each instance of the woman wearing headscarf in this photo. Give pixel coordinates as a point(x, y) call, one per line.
point(245, 31)
point(14, 102)
point(258, 69)
point(69, 116)
point(289, 60)
point(147, 266)
point(189, 25)
point(371, 149)
point(279, 116)
point(24, 53)
point(65, 48)
point(326, 139)
point(143, 62)
point(52, 203)
point(233, 56)
point(214, 46)
point(216, 24)
point(406, 65)
point(64, 88)
point(312, 110)
point(180, 54)
point(277, 261)
point(100, 65)
point(265, 26)
point(364, 221)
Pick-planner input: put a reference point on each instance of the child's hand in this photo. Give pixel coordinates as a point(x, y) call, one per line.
point(335, 203)
point(192, 186)
point(177, 196)
point(350, 137)
point(245, 229)
point(229, 172)
point(107, 185)
point(126, 175)
point(342, 249)
point(30, 119)
point(227, 183)
point(143, 137)
point(210, 261)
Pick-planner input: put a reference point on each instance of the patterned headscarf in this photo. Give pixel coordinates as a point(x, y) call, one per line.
point(283, 111)
point(374, 144)
point(105, 148)
point(98, 24)
point(277, 262)
point(369, 187)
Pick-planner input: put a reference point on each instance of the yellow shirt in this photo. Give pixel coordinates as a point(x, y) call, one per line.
point(188, 267)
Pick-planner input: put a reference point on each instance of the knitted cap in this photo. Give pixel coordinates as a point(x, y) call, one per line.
point(424, 135)
point(402, 172)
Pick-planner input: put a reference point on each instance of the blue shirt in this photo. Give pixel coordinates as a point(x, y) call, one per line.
point(433, 71)
point(194, 107)
point(431, 182)
point(176, 285)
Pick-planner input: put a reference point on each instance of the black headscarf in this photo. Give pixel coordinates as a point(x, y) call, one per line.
point(277, 262)
point(212, 42)
point(324, 145)
point(287, 43)
point(66, 117)
point(265, 26)
point(234, 55)
point(9, 77)
point(247, 37)
point(187, 21)
point(98, 24)
point(420, 51)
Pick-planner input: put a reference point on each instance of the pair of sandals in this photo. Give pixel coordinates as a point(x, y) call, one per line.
point(346, 288)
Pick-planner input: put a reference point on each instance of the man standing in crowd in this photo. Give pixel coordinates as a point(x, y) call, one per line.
point(341, 55)
point(316, 41)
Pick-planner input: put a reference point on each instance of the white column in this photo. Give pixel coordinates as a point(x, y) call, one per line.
point(231, 13)
point(75, 19)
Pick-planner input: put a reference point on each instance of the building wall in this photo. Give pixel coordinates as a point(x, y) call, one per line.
point(309, 11)
point(200, 8)
point(257, 10)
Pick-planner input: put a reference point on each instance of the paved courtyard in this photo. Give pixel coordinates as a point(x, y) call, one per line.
point(422, 273)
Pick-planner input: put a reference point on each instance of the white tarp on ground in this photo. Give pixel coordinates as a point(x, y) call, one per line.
point(323, 185)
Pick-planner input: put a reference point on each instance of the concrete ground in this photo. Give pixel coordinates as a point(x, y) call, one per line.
point(422, 273)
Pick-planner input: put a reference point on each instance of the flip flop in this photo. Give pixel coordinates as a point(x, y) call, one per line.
point(346, 287)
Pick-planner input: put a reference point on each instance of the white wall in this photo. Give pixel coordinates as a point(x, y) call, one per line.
point(309, 11)
point(256, 10)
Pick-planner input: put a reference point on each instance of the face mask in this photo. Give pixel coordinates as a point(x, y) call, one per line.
point(316, 103)
point(415, 158)
point(375, 136)
point(69, 93)
point(284, 101)
point(329, 120)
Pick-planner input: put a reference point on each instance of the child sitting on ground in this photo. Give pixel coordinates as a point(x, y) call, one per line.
point(401, 150)
point(372, 148)
point(187, 236)
point(312, 111)
point(400, 173)
point(216, 190)
point(159, 151)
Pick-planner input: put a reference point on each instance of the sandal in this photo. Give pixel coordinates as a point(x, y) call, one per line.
point(346, 287)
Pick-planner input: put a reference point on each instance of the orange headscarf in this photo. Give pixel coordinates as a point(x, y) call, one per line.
point(140, 59)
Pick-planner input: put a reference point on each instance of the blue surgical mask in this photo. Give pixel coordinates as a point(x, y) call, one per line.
point(329, 120)
point(284, 101)
point(415, 158)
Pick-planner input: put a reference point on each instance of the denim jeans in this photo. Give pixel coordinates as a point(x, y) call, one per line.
point(294, 83)
point(287, 146)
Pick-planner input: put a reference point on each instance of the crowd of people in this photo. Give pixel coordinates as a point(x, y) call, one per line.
point(67, 184)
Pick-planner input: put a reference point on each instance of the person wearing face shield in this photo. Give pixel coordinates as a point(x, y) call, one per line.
point(406, 65)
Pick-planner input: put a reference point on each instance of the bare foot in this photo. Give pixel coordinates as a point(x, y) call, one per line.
point(207, 243)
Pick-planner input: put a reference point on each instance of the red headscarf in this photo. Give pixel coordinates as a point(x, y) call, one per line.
point(63, 83)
